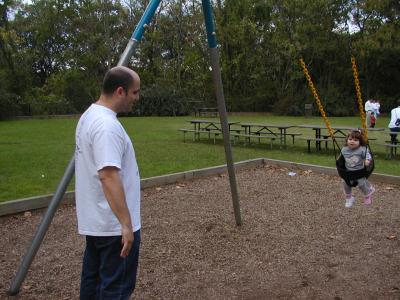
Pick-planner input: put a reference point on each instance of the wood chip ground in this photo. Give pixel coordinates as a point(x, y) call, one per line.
point(297, 241)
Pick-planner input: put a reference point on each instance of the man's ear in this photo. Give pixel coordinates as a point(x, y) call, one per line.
point(120, 91)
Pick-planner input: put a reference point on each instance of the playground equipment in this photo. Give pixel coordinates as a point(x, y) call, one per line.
point(124, 60)
point(350, 177)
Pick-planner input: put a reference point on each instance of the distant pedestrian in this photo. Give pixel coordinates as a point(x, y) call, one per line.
point(368, 109)
point(372, 120)
point(394, 124)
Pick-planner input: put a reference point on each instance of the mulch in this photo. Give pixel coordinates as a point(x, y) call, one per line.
point(297, 241)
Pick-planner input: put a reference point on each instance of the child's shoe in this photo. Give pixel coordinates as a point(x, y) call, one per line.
point(368, 198)
point(349, 201)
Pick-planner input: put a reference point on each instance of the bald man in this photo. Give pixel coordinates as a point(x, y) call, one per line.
point(107, 191)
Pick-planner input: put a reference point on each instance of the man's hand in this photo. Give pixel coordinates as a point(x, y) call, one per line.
point(367, 162)
point(127, 240)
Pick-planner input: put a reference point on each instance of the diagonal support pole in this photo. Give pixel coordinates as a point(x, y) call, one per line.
point(69, 172)
point(216, 73)
point(42, 229)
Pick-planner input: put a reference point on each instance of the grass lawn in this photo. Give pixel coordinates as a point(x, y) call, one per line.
point(35, 153)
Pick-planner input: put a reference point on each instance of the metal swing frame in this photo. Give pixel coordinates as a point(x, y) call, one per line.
point(124, 61)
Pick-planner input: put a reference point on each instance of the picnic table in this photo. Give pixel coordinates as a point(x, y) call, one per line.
point(207, 112)
point(212, 128)
point(269, 130)
point(391, 146)
point(339, 132)
point(209, 125)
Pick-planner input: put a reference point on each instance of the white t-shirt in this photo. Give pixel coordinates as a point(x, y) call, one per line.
point(101, 141)
point(395, 114)
point(368, 106)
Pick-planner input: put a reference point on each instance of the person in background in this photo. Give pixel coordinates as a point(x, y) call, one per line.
point(376, 107)
point(107, 191)
point(394, 124)
point(368, 107)
point(372, 120)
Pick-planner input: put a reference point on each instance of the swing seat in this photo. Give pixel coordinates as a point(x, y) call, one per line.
point(350, 177)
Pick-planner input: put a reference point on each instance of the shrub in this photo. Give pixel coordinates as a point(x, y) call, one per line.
point(157, 100)
point(9, 106)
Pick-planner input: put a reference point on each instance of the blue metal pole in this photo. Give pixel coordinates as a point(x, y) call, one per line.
point(210, 25)
point(138, 33)
point(145, 20)
point(216, 72)
point(62, 186)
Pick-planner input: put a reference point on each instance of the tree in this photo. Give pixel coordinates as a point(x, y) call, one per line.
point(54, 53)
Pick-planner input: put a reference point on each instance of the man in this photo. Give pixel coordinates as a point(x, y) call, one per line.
point(368, 109)
point(394, 124)
point(107, 188)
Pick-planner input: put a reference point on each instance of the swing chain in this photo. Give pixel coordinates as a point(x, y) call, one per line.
point(316, 97)
point(359, 98)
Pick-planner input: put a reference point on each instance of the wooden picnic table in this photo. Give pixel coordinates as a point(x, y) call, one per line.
point(392, 132)
point(210, 125)
point(212, 128)
point(338, 132)
point(391, 147)
point(267, 129)
point(207, 112)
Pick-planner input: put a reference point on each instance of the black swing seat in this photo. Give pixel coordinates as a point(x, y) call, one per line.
point(350, 177)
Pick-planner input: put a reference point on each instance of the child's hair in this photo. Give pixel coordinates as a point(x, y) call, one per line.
point(356, 134)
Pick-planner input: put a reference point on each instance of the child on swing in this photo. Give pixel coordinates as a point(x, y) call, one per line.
point(357, 156)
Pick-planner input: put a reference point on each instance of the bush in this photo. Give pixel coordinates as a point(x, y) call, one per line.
point(9, 106)
point(159, 100)
point(42, 104)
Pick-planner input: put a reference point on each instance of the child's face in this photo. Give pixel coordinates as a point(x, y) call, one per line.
point(353, 143)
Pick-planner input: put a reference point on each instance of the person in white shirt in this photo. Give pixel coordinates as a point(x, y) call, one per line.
point(107, 191)
point(394, 124)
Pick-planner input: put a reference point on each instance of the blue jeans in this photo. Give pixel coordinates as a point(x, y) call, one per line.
point(106, 275)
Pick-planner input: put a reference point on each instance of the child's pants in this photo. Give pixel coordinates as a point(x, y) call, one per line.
point(363, 185)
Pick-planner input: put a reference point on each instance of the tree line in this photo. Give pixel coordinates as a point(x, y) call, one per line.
point(54, 53)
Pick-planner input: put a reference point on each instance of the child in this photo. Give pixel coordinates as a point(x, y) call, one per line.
point(372, 120)
point(356, 155)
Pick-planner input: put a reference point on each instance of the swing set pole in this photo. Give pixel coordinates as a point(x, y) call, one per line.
point(138, 33)
point(216, 72)
point(42, 229)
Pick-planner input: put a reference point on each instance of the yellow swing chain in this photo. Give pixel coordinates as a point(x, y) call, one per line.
point(316, 97)
point(359, 98)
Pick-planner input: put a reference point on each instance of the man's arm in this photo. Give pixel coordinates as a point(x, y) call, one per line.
point(115, 195)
